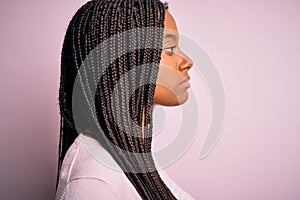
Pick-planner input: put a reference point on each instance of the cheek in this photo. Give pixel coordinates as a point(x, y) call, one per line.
point(168, 77)
point(164, 96)
point(167, 91)
point(170, 61)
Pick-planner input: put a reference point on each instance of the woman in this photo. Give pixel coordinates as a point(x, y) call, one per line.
point(119, 59)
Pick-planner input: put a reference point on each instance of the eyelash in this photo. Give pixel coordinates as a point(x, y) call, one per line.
point(172, 49)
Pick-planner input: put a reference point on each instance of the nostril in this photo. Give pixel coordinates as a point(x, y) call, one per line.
point(185, 61)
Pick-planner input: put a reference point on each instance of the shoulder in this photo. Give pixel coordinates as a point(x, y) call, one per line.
point(88, 163)
point(87, 188)
point(83, 174)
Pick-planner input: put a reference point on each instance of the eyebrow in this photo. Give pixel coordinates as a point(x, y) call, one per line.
point(173, 37)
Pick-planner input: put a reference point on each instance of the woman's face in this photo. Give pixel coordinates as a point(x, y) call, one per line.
point(172, 82)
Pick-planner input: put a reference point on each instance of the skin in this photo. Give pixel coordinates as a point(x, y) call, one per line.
point(170, 88)
point(172, 82)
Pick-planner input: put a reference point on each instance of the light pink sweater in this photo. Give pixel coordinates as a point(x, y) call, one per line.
point(84, 177)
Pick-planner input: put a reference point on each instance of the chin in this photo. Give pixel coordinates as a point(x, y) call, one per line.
point(183, 98)
point(172, 100)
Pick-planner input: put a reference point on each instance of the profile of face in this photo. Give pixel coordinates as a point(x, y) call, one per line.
point(172, 81)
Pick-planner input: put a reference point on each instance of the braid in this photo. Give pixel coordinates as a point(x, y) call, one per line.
point(127, 81)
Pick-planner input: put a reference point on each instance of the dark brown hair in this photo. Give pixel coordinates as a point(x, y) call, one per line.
point(94, 23)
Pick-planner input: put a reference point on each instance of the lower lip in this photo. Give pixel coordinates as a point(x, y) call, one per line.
point(186, 84)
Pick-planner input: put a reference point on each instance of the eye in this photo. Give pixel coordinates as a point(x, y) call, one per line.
point(170, 50)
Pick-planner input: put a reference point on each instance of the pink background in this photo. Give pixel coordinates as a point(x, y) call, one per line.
point(255, 46)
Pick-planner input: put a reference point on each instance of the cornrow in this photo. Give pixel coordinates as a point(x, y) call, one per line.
point(126, 82)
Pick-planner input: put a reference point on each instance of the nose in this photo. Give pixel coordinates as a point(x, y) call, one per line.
point(185, 63)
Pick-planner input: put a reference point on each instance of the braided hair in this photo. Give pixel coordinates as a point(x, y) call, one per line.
point(115, 86)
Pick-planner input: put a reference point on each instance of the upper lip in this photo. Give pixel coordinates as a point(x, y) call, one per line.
point(186, 79)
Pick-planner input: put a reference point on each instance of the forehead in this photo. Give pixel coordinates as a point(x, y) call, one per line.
point(170, 23)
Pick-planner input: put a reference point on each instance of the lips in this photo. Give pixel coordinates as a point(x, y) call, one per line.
point(186, 79)
point(186, 82)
